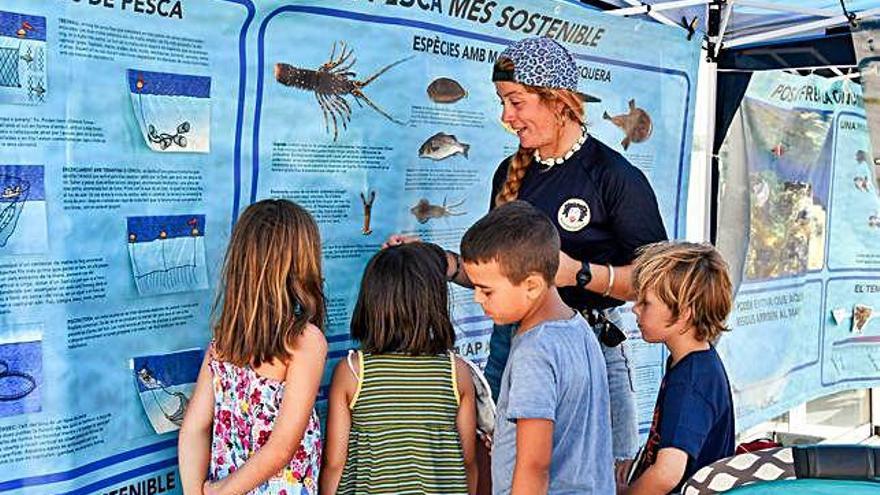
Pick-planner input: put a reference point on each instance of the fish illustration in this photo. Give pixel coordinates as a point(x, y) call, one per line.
point(441, 146)
point(38, 90)
point(778, 150)
point(874, 221)
point(446, 90)
point(861, 182)
point(27, 57)
point(861, 156)
point(635, 124)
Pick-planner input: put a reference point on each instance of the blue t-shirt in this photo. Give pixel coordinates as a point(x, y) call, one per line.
point(556, 371)
point(694, 413)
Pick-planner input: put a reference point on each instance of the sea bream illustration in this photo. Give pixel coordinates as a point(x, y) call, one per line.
point(441, 146)
point(635, 124)
point(446, 90)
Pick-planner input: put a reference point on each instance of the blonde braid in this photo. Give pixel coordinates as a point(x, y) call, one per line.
point(520, 161)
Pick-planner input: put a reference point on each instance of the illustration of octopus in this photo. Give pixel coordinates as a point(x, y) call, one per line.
point(331, 83)
point(424, 210)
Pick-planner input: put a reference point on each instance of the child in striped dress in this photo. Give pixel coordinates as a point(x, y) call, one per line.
point(402, 415)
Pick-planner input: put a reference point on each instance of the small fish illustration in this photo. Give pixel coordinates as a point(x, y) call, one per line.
point(635, 124)
point(441, 146)
point(861, 182)
point(778, 150)
point(861, 156)
point(27, 57)
point(874, 221)
point(446, 90)
point(38, 90)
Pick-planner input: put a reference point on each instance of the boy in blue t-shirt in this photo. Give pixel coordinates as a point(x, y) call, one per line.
point(553, 422)
point(683, 296)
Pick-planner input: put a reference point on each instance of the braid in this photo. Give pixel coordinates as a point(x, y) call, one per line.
point(520, 161)
point(516, 170)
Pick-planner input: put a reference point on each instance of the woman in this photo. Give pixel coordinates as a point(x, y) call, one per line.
point(602, 205)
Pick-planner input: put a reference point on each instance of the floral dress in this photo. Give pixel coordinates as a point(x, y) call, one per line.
point(245, 407)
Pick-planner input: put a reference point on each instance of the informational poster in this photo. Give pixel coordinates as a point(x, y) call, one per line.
point(798, 175)
point(866, 44)
point(133, 133)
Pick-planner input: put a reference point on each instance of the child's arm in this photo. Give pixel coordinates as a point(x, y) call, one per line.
point(534, 450)
point(663, 476)
point(309, 352)
point(342, 390)
point(194, 440)
point(466, 422)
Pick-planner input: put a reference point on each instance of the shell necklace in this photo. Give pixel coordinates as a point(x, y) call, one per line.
point(550, 162)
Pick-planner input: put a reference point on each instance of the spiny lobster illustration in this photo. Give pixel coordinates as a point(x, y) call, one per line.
point(331, 83)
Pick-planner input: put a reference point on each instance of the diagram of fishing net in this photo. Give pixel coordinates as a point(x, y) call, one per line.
point(167, 253)
point(165, 384)
point(22, 210)
point(21, 370)
point(22, 58)
point(172, 110)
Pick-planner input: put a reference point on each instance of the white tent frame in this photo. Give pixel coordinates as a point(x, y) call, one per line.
point(832, 18)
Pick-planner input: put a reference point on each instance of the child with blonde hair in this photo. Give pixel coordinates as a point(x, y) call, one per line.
point(683, 297)
point(402, 414)
point(251, 425)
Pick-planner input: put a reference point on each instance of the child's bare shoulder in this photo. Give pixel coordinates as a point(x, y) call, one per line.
point(311, 341)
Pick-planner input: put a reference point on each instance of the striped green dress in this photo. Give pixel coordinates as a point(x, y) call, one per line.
point(403, 436)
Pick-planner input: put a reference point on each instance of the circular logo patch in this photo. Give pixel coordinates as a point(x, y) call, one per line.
point(574, 214)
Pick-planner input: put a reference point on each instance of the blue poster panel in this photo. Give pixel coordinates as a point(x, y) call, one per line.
point(798, 166)
point(132, 135)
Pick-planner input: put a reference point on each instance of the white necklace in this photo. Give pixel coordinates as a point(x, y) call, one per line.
point(550, 162)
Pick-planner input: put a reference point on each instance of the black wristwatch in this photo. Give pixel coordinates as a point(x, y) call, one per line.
point(584, 275)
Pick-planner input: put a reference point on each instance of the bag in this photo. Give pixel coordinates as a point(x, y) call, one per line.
point(483, 398)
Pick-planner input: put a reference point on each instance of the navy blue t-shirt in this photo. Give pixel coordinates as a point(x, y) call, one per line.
point(603, 207)
point(694, 413)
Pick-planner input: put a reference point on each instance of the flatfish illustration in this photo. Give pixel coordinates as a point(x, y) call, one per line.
point(441, 146)
point(445, 90)
point(635, 124)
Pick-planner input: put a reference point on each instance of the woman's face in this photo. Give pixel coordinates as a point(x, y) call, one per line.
point(533, 120)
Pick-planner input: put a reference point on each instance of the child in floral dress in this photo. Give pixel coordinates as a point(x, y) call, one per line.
point(251, 425)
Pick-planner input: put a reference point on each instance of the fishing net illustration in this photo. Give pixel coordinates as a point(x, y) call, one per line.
point(22, 58)
point(21, 366)
point(165, 384)
point(9, 67)
point(167, 253)
point(172, 110)
point(22, 209)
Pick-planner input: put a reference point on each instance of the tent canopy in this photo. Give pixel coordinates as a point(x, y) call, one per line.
point(752, 24)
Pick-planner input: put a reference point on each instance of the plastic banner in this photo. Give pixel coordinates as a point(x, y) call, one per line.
point(133, 133)
point(797, 175)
